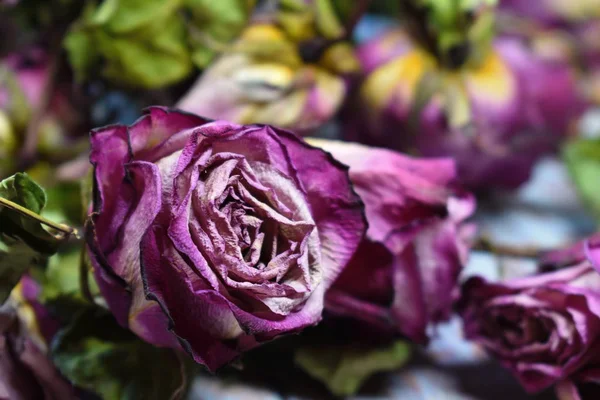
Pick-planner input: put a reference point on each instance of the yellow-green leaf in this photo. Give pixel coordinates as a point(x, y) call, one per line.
point(343, 369)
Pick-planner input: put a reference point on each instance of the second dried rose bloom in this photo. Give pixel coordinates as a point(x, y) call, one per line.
point(214, 236)
point(404, 274)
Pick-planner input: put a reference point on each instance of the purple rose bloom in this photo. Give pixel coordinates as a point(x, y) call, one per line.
point(545, 328)
point(216, 236)
point(496, 115)
point(26, 329)
point(403, 276)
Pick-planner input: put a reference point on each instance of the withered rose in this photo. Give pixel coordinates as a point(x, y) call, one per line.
point(404, 274)
point(216, 236)
point(545, 328)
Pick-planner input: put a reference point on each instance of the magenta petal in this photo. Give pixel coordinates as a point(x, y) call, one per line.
point(117, 267)
point(409, 309)
point(145, 181)
point(265, 329)
point(566, 390)
point(151, 323)
point(109, 173)
point(337, 209)
point(161, 131)
point(113, 288)
point(397, 190)
point(203, 324)
point(369, 275)
point(342, 304)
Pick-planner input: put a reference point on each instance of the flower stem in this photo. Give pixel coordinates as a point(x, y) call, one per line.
point(64, 229)
point(84, 284)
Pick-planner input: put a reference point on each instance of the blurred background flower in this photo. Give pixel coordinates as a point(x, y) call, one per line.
point(292, 72)
point(494, 104)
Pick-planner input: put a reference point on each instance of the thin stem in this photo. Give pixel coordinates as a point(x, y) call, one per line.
point(486, 245)
point(178, 394)
point(64, 229)
point(84, 284)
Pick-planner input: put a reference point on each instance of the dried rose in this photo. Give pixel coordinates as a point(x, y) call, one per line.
point(404, 274)
point(545, 328)
point(216, 236)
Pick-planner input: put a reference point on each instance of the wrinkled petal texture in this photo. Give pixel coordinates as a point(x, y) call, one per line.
point(545, 328)
point(227, 235)
point(404, 274)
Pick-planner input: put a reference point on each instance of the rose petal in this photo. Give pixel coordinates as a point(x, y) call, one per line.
point(336, 208)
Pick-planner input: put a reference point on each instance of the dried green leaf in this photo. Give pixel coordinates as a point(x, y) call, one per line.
point(24, 243)
point(96, 354)
point(343, 369)
point(582, 158)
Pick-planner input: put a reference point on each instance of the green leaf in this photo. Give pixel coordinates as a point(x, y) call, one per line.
point(327, 21)
point(214, 24)
point(64, 202)
point(582, 158)
point(23, 191)
point(155, 57)
point(310, 20)
point(24, 243)
point(62, 275)
point(62, 283)
point(458, 24)
point(126, 16)
point(132, 42)
point(343, 369)
point(79, 45)
point(95, 353)
point(16, 258)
